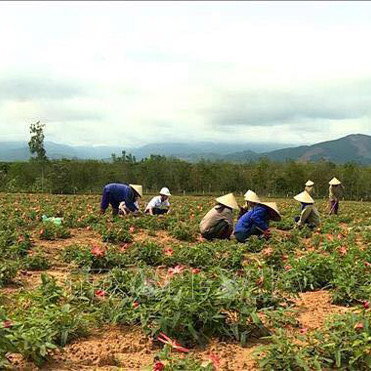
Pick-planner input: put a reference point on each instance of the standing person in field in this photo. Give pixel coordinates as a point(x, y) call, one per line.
point(123, 197)
point(251, 199)
point(256, 221)
point(309, 187)
point(335, 192)
point(309, 214)
point(218, 222)
point(159, 204)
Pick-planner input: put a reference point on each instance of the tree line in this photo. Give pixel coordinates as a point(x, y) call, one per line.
point(266, 177)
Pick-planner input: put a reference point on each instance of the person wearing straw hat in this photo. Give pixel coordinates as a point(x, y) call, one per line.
point(218, 222)
point(122, 197)
point(309, 214)
point(335, 192)
point(159, 204)
point(251, 199)
point(309, 187)
point(256, 221)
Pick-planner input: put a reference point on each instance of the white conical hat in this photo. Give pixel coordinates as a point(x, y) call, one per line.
point(165, 191)
point(309, 183)
point(137, 188)
point(228, 200)
point(273, 206)
point(251, 196)
point(334, 181)
point(304, 197)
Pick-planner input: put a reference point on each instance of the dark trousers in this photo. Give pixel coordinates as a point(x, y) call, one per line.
point(242, 236)
point(157, 211)
point(107, 199)
point(334, 207)
point(310, 225)
point(221, 231)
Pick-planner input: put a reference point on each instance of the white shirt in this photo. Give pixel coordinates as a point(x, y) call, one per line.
point(156, 202)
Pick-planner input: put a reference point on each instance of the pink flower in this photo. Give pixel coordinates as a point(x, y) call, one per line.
point(169, 251)
point(215, 359)
point(132, 229)
point(367, 264)
point(358, 326)
point(288, 267)
point(100, 293)
point(173, 343)
point(366, 304)
point(98, 251)
point(303, 330)
point(7, 324)
point(196, 270)
point(124, 247)
point(343, 250)
point(176, 270)
point(158, 366)
point(135, 304)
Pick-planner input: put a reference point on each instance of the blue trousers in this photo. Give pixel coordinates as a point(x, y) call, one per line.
point(242, 236)
point(107, 199)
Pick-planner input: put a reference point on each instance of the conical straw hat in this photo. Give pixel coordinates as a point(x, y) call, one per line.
point(304, 197)
point(137, 188)
point(273, 206)
point(251, 196)
point(309, 183)
point(228, 200)
point(334, 181)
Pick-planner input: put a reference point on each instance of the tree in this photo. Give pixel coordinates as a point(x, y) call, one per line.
point(36, 143)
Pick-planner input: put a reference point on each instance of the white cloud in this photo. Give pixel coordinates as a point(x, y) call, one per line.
point(133, 73)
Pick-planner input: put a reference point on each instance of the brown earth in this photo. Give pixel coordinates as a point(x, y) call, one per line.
point(126, 348)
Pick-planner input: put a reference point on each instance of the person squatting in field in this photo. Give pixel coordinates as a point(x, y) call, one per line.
point(335, 192)
point(309, 214)
point(218, 222)
point(256, 221)
point(159, 204)
point(122, 197)
point(309, 187)
point(251, 199)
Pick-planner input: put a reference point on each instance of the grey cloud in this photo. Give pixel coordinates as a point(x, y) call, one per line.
point(38, 87)
point(344, 100)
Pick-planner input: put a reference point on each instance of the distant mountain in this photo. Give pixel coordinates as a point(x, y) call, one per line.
point(355, 147)
point(18, 151)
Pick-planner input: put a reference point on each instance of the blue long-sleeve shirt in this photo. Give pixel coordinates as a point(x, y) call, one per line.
point(258, 216)
point(121, 192)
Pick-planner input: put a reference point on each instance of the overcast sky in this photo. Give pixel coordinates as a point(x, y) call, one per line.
point(132, 73)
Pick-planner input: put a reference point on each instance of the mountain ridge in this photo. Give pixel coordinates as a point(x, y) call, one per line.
point(353, 147)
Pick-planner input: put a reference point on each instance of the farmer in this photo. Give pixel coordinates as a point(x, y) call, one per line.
point(251, 199)
point(256, 221)
point(159, 204)
point(335, 192)
point(218, 222)
point(309, 187)
point(123, 197)
point(309, 213)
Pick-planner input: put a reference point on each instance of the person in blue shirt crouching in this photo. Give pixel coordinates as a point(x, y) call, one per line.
point(123, 196)
point(256, 221)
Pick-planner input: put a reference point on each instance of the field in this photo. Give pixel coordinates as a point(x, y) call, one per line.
point(98, 293)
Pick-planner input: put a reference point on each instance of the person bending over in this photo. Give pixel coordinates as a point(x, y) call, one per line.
point(256, 221)
point(309, 214)
point(123, 197)
point(218, 222)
